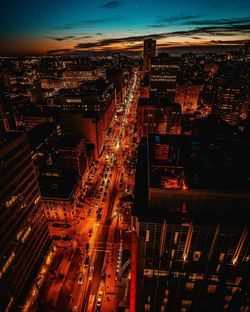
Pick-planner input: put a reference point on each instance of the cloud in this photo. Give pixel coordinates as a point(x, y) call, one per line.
point(201, 32)
point(111, 41)
point(90, 22)
point(223, 21)
point(177, 19)
point(61, 38)
point(59, 51)
point(156, 26)
point(111, 5)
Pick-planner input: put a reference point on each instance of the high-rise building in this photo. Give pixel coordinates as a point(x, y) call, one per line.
point(193, 244)
point(148, 52)
point(72, 153)
point(24, 239)
point(229, 101)
point(157, 118)
point(162, 77)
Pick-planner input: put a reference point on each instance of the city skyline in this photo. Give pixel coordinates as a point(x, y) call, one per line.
point(109, 26)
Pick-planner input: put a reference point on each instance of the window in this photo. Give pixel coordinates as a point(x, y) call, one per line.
point(211, 288)
point(189, 286)
point(186, 303)
point(196, 255)
point(176, 237)
point(228, 298)
point(238, 280)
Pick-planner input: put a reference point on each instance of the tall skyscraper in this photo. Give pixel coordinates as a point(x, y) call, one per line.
point(24, 239)
point(162, 77)
point(230, 101)
point(148, 52)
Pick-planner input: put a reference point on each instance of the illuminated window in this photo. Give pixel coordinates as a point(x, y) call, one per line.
point(176, 237)
point(189, 286)
point(238, 280)
point(186, 303)
point(196, 255)
point(228, 298)
point(165, 300)
point(222, 255)
point(234, 289)
point(211, 288)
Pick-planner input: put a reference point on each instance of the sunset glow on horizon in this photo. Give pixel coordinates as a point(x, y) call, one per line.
point(98, 26)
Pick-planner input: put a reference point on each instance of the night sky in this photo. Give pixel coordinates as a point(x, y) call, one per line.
point(63, 26)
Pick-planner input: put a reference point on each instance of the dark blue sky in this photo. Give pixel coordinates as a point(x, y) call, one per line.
point(67, 26)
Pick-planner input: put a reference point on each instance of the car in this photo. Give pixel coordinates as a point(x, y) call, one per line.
point(99, 299)
point(103, 278)
point(81, 199)
point(98, 210)
point(56, 224)
point(98, 217)
point(86, 262)
point(90, 233)
point(80, 205)
point(80, 278)
point(87, 247)
point(89, 212)
point(66, 237)
point(101, 190)
point(56, 237)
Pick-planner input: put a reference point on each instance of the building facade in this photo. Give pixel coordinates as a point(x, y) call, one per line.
point(161, 119)
point(60, 197)
point(192, 267)
point(149, 51)
point(162, 76)
point(24, 240)
point(187, 96)
point(229, 102)
point(72, 153)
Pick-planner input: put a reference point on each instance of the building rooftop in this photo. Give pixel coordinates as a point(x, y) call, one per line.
point(68, 140)
point(39, 133)
point(57, 187)
point(193, 178)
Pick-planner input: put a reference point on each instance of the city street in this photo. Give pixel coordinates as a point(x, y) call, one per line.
point(89, 263)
